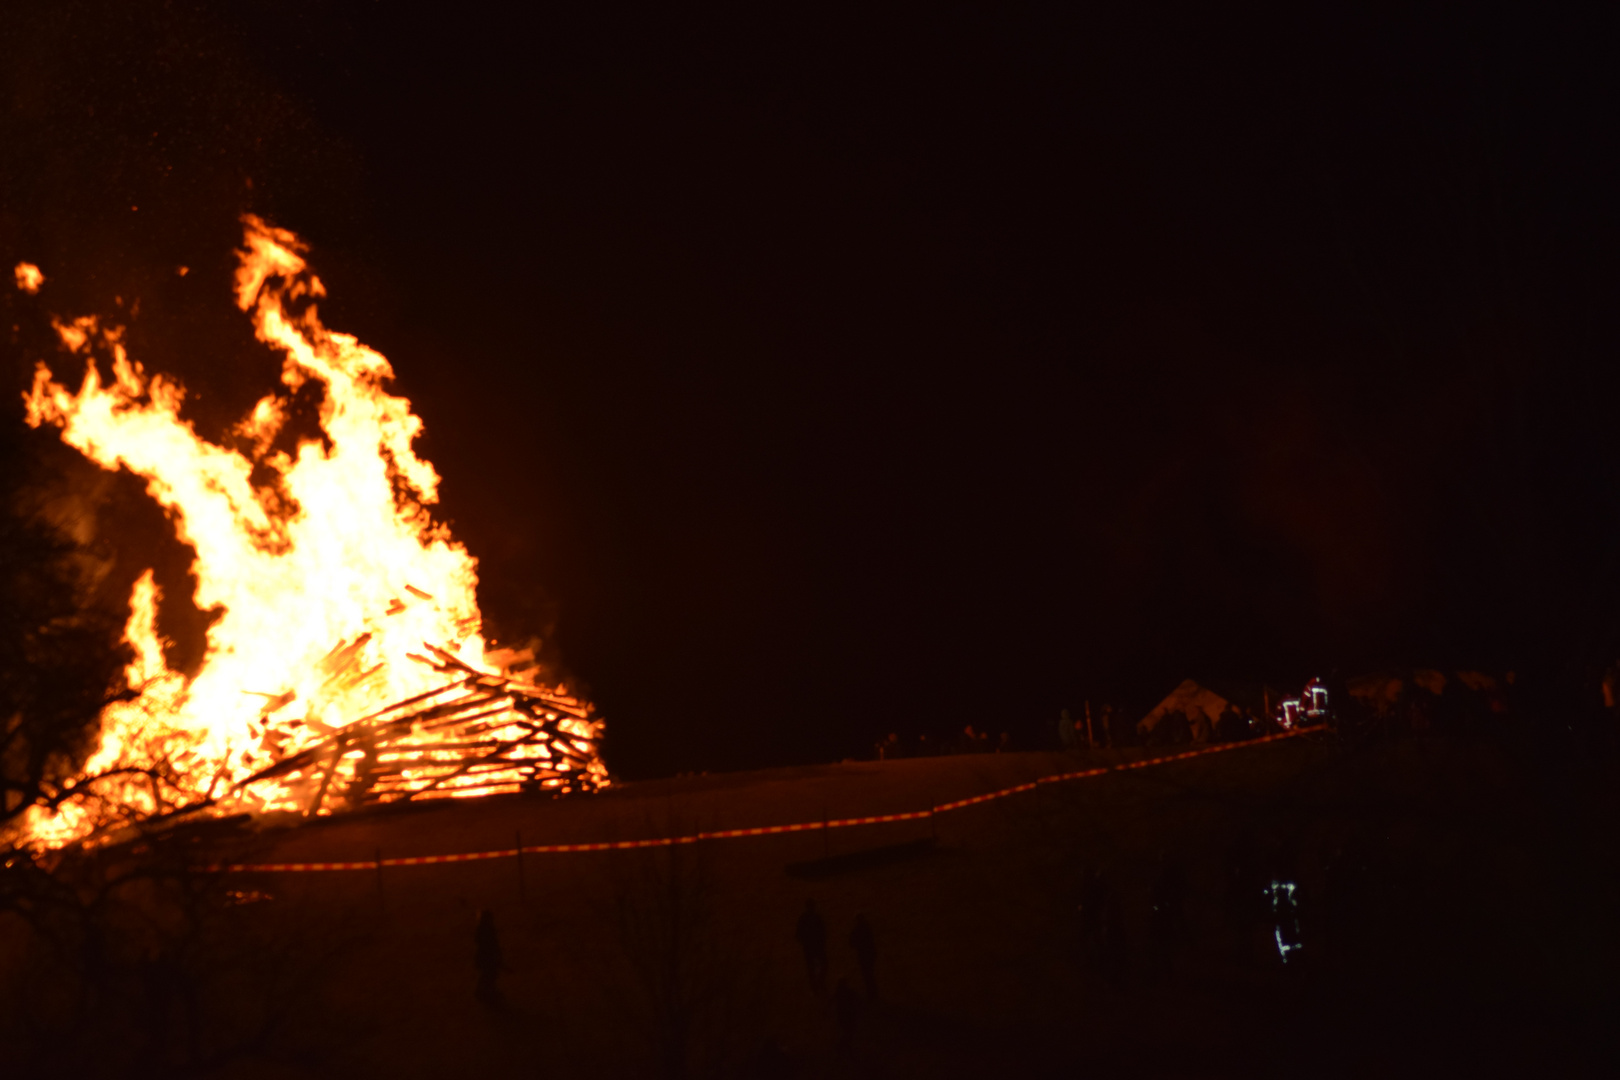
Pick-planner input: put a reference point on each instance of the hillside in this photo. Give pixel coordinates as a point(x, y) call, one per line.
point(1473, 931)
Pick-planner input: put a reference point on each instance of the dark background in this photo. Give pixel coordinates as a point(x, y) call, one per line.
point(804, 377)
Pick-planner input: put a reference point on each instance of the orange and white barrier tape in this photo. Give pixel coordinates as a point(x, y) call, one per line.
point(763, 830)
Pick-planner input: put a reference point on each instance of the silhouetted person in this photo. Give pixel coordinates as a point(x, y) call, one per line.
point(1348, 895)
point(848, 1009)
point(1121, 731)
point(1167, 919)
point(1283, 893)
point(1199, 726)
point(1178, 728)
point(865, 946)
point(1113, 944)
point(1066, 735)
point(487, 958)
point(812, 937)
point(1093, 902)
point(1419, 712)
point(1245, 894)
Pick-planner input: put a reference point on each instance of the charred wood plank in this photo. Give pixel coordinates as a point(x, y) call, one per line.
point(434, 713)
point(464, 768)
point(451, 659)
point(411, 701)
point(466, 717)
point(326, 779)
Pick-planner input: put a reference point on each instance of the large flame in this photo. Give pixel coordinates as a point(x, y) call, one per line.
point(325, 552)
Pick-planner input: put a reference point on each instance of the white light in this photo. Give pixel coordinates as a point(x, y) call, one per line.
point(1279, 890)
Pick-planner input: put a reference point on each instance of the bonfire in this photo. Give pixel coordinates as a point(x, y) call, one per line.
point(347, 664)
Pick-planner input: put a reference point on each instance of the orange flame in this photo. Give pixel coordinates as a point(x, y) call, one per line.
point(29, 279)
point(336, 549)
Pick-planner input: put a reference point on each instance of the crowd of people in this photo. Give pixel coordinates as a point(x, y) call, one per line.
point(1255, 910)
point(849, 1005)
point(1261, 906)
point(1413, 702)
point(970, 740)
point(1113, 727)
point(811, 935)
point(1109, 727)
point(1264, 913)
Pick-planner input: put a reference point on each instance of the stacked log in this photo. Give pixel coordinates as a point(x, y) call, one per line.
point(476, 734)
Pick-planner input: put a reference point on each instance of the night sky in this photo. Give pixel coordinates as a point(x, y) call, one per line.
point(802, 378)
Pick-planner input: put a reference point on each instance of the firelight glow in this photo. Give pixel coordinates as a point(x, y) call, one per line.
point(29, 278)
point(309, 553)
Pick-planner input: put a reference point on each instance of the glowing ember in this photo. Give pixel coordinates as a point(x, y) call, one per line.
point(338, 594)
point(29, 279)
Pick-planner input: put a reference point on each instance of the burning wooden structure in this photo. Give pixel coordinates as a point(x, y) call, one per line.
point(299, 542)
point(476, 734)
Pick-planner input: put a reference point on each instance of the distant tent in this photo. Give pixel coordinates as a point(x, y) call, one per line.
point(1258, 698)
point(1201, 705)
